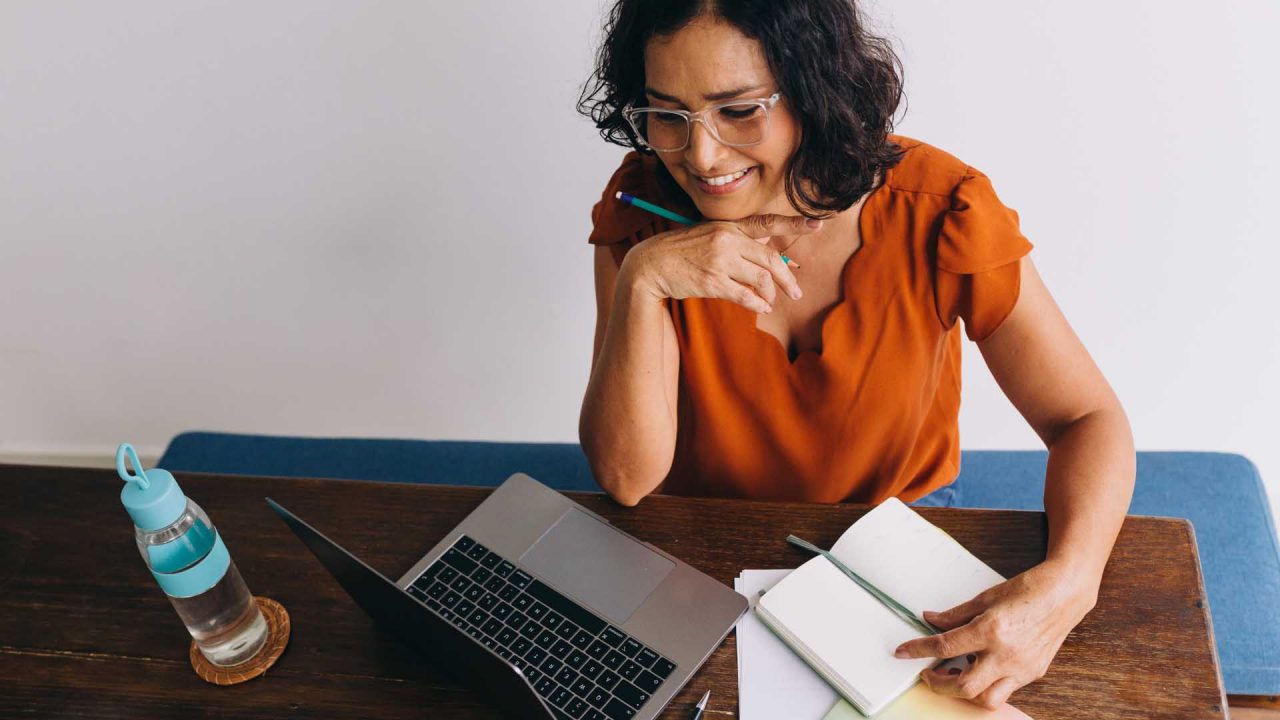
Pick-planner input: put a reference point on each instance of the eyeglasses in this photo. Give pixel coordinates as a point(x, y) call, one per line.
point(736, 123)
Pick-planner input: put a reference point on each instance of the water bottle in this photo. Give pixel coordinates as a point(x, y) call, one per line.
point(188, 558)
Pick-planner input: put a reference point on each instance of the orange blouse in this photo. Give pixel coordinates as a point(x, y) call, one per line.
point(875, 413)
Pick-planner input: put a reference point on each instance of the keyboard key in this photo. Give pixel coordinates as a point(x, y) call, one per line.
point(567, 630)
point(437, 591)
point(434, 605)
point(576, 659)
point(506, 636)
point(613, 636)
point(481, 575)
point(464, 543)
point(488, 602)
point(418, 594)
point(566, 677)
point(505, 653)
point(460, 584)
point(490, 561)
point(537, 611)
point(648, 682)
point(504, 569)
point(522, 603)
point(645, 658)
point(630, 647)
point(608, 679)
point(613, 660)
point(592, 669)
point(520, 579)
point(561, 649)
point(544, 686)
point(491, 627)
point(515, 620)
point(424, 580)
point(594, 714)
point(531, 630)
point(501, 611)
point(560, 697)
point(475, 552)
point(630, 694)
point(464, 607)
point(474, 593)
point(446, 574)
point(552, 620)
point(582, 687)
point(536, 655)
point(477, 617)
point(581, 640)
point(617, 710)
point(663, 668)
point(520, 645)
point(576, 708)
point(597, 696)
point(494, 584)
point(597, 649)
point(566, 607)
point(508, 591)
point(551, 665)
point(629, 670)
point(458, 561)
point(533, 673)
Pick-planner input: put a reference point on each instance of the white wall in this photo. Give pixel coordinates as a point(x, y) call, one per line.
point(368, 219)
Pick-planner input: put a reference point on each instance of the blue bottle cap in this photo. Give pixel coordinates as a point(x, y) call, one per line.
point(153, 497)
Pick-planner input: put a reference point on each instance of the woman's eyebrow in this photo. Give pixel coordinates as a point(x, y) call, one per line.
point(724, 95)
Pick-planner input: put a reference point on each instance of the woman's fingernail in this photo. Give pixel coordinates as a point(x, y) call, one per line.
point(971, 658)
point(901, 652)
point(953, 671)
point(815, 224)
point(796, 295)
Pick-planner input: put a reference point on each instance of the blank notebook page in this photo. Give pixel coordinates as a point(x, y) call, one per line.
point(912, 560)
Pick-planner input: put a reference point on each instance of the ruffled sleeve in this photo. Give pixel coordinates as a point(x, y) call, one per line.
point(979, 248)
point(615, 222)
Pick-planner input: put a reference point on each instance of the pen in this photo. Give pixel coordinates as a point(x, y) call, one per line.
point(634, 201)
point(702, 705)
point(896, 607)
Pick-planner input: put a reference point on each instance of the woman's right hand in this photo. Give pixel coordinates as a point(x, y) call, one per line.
point(719, 259)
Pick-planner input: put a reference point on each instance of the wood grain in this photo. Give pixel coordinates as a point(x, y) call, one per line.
point(85, 631)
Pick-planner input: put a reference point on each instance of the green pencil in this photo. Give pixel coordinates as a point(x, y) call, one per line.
point(630, 199)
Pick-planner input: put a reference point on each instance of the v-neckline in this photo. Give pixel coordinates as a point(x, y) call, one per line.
point(845, 271)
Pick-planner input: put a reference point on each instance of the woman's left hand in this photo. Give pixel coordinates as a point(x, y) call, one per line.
point(1014, 629)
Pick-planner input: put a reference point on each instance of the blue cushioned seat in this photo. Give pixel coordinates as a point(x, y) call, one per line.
point(1223, 497)
point(1221, 494)
point(442, 462)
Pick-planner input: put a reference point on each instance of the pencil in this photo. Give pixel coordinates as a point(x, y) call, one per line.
point(630, 199)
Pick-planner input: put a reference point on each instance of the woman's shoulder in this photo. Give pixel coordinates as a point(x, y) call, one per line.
point(926, 169)
point(642, 176)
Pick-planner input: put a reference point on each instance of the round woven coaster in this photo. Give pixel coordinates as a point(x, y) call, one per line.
point(277, 638)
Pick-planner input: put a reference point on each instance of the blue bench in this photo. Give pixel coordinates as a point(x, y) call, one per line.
point(1221, 494)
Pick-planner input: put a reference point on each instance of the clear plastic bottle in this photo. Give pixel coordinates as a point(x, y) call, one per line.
point(189, 560)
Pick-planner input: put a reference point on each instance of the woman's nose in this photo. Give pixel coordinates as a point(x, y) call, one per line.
point(703, 147)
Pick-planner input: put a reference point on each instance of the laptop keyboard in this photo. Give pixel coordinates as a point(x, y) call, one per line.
point(583, 667)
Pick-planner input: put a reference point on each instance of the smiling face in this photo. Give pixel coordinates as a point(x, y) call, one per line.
point(705, 62)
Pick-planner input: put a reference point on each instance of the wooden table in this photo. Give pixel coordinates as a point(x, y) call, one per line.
point(86, 632)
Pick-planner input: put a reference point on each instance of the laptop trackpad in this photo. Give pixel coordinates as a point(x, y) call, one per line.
point(596, 564)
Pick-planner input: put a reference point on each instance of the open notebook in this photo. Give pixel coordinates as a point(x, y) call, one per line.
point(843, 632)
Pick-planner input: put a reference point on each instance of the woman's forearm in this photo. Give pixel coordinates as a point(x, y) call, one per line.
point(628, 424)
point(1088, 486)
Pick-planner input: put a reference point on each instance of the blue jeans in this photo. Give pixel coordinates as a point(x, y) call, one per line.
point(944, 496)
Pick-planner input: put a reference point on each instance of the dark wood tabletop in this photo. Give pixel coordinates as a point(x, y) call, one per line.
point(86, 632)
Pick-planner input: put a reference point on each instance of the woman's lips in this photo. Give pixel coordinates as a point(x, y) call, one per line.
point(726, 188)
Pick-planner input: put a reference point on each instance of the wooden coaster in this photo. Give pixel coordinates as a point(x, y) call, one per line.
point(277, 638)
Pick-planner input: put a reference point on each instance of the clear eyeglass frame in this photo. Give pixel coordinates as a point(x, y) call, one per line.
point(634, 116)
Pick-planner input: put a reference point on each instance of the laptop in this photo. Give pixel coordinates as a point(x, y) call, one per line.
point(546, 608)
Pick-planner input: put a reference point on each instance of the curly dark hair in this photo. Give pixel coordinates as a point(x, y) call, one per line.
point(843, 83)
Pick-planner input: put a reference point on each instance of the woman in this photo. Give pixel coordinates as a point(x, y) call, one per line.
point(721, 368)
